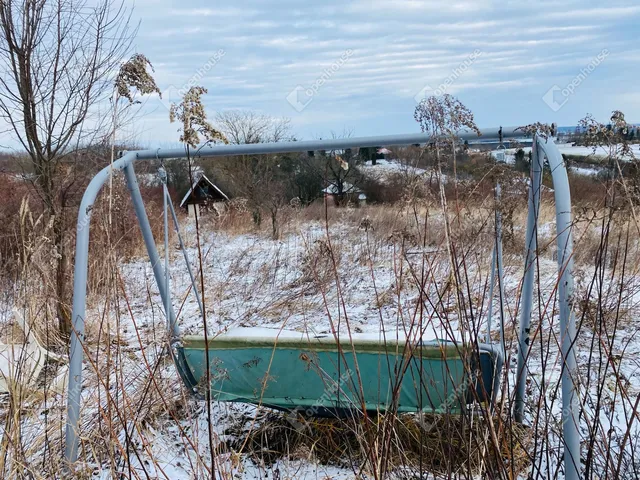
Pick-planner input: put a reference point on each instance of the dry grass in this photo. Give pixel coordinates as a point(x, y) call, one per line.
point(131, 391)
point(435, 444)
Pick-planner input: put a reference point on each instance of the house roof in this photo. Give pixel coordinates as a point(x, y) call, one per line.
point(346, 188)
point(197, 182)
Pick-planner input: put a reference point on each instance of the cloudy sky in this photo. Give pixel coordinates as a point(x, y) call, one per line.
point(360, 65)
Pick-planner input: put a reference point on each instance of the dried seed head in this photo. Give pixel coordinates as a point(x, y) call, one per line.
point(134, 75)
point(190, 112)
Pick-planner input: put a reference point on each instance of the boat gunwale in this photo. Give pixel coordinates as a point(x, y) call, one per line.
point(435, 350)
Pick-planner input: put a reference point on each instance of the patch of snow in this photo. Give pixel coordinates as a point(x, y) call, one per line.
point(384, 169)
point(391, 166)
point(346, 189)
point(567, 149)
point(589, 172)
point(256, 287)
point(274, 334)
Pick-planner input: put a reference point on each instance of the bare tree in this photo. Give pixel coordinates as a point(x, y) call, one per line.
point(265, 185)
point(337, 170)
point(341, 174)
point(246, 126)
point(261, 180)
point(56, 61)
point(612, 140)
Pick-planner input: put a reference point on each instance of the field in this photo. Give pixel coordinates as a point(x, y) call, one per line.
point(327, 305)
point(380, 267)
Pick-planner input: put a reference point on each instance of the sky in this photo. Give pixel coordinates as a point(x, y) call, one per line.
point(362, 65)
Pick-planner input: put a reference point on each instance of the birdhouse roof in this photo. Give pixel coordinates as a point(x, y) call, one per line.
point(203, 179)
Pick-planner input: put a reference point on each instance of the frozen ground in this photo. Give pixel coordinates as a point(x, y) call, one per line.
point(570, 149)
point(385, 169)
point(255, 282)
point(383, 166)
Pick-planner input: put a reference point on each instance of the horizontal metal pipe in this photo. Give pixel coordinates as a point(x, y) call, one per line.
point(313, 145)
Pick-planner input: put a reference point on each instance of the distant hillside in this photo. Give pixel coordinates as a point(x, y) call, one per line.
point(572, 129)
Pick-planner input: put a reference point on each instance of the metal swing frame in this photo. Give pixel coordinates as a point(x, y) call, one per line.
point(542, 148)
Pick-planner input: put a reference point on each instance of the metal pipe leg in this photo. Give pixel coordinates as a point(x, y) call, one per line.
point(152, 250)
point(492, 279)
point(186, 257)
point(158, 272)
point(80, 272)
point(570, 392)
point(529, 277)
point(500, 268)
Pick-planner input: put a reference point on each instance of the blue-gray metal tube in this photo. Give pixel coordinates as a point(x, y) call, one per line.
point(313, 145)
point(491, 286)
point(167, 278)
point(570, 394)
point(500, 266)
point(497, 268)
point(194, 285)
point(152, 251)
point(79, 304)
point(531, 247)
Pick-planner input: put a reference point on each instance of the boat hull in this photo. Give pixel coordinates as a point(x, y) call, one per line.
point(322, 376)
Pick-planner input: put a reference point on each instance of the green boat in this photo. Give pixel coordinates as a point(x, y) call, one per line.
point(322, 376)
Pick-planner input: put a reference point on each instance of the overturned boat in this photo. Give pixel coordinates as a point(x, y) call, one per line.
point(326, 374)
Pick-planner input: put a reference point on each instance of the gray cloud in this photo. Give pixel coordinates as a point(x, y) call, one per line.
point(398, 48)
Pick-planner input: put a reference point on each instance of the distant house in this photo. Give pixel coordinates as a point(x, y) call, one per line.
point(350, 193)
point(384, 153)
point(203, 195)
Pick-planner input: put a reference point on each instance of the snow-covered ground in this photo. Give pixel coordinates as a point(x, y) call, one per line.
point(289, 283)
point(569, 149)
point(599, 152)
point(392, 166)
point(255, 282)
point(383, 170)
point(252, 281)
